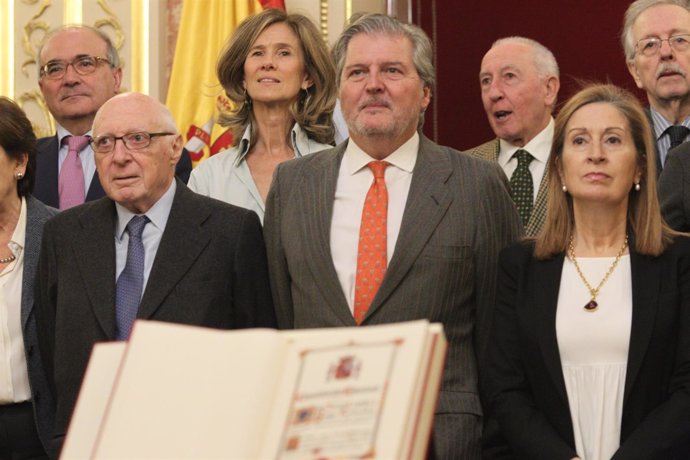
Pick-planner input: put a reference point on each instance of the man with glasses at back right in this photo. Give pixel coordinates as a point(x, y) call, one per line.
point(656, 42)
point(79, 70)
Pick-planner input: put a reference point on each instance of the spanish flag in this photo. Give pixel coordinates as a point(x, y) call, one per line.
point(194, 95)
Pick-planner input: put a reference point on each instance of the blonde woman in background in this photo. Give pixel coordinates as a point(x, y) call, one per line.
point(277, 71)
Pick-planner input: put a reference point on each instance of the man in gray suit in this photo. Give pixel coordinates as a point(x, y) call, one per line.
point(436, 220)
point(519, 84)
point(192, 260)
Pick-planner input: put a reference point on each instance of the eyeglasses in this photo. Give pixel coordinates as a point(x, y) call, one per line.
point(83, 65)
point(133, 141)
point(652, 45)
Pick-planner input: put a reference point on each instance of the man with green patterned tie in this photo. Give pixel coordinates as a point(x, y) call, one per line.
point(519, 84)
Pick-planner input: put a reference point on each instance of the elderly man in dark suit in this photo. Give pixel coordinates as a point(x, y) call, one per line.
point(656, 43)
point(390, 226)
point(519, 83)
point(151, 249)
point(79, 71)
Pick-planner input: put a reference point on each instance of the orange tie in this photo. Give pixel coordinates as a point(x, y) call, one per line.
point(373, 240)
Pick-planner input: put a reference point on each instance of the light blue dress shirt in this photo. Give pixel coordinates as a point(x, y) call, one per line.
point(151, 237)
point(226, 176)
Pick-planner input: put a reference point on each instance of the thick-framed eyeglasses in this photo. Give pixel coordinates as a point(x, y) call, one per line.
point(133, 141)
point(652, 45)
point(83, 65)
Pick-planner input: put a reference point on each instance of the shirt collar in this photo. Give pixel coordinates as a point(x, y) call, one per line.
point(63, 133)
point(19, 235)
point(158, 214)
point(299, 141)
point(539, 147)
point(661, 124)
point(403, 158)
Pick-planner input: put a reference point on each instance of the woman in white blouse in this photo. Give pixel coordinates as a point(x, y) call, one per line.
point(590, 345)
point(277, 71)
point(25, 427)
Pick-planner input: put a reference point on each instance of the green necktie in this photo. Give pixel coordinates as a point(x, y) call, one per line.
point(522, 185)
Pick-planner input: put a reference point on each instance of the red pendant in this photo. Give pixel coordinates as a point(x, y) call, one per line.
point(592, 305)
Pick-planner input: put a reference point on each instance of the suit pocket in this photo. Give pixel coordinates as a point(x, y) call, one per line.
point(454, 402)
point(198, 289)
point(449, 252)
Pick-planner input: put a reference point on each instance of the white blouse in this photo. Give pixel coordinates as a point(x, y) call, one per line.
point(593, 348)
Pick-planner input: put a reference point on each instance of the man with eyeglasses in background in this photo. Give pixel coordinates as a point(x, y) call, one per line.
point(79, 69)
point(150, 249)
point(656, 42)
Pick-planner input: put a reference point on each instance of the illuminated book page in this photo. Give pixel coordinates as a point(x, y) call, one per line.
point(347, 393)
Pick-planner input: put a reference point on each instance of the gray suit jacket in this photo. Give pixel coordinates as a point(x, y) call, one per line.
point(210, 270)
point(489, 151)
point(458, 216)
point(36, 215)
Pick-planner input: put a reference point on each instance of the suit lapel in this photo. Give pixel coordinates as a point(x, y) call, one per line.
point(646, 280)
point(95, 236)
point(47, 171)
point(32, 243)
point(427, 203)
point(183, 240)
point(536, 220)
point(545, 285)
point(319, 183)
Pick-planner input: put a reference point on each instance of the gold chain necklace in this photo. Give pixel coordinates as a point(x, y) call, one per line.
point(592, 305)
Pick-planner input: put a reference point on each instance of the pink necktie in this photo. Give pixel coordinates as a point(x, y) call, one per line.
point(71, 180)
point(373, 240)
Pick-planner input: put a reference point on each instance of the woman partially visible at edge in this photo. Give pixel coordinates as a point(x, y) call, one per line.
point(26, 407)
point(590, 349)
point(277, 71)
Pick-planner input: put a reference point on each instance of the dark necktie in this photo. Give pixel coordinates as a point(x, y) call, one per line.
point(373, 242)
point(130, 284)
point(522, 185)
point(677, 134)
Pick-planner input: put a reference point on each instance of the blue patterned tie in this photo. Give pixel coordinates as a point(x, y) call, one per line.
point(130, 284)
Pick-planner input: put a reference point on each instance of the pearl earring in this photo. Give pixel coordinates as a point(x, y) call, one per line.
point(637, 186)
point(19, 175)
point(564, 188)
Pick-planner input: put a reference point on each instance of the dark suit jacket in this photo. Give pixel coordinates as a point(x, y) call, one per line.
point(674, 188)
point(526, 387)
point(489, 151)
point(46, 188)
point(457, 218)
point(210, 270)
point(44, 411)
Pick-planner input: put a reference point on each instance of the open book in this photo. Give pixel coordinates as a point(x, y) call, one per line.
point(184, 392)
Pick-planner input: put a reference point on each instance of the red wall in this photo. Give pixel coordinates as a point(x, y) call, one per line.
point(582, 34)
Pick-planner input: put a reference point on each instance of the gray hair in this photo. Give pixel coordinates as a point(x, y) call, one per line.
point(381, 24)
point(111, 53)
point(635, 9)
point(544, 60)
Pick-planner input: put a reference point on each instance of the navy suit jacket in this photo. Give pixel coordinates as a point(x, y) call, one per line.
point(526, 388)
point(46, 188)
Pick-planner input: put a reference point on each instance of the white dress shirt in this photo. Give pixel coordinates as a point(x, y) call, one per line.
point(354, 181)
point(151, 237)
point(88, 162)
point(14, 376)
point(539, 147)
